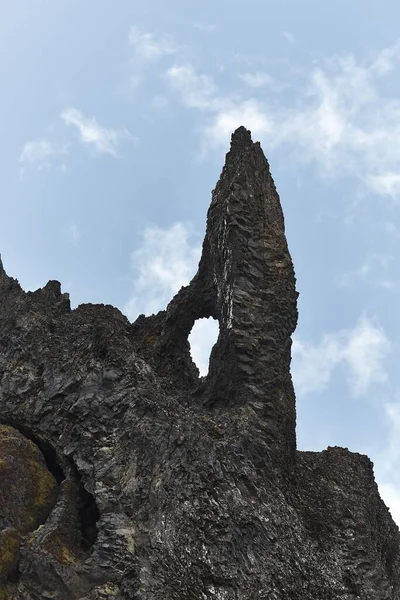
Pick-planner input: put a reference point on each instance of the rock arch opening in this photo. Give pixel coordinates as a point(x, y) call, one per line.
point(202, 339)
point(89, 514)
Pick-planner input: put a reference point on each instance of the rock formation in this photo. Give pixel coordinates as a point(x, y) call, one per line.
point(124, 475)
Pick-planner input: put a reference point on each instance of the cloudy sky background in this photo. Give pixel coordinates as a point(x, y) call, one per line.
point(115, 119)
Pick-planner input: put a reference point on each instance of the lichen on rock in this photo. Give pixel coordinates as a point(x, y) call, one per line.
point(9, 553)
point(28, 491)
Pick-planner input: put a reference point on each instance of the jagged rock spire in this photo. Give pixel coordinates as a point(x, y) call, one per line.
point(246, 281)
point(240, 141)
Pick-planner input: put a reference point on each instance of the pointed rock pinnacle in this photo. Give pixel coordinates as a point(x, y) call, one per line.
point(246, 281)
point(240, 140)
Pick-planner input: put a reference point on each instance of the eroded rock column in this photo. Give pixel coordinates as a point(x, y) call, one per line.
point(246, 281)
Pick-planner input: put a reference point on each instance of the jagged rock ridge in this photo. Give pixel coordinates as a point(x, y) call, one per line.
point(163, 485)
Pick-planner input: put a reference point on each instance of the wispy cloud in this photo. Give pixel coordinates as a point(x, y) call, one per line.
point(386, 59)
point(345, 124)
point(391, 229)
point(361, 351)
point(375, 270)
point(205, 27)
point(41, 154)
point(75, 234)
point(194, 89)
point(223, 115)
point(342, 119)
point(289, 37)
point(93, 135)
point(148, 49)
point(165, 261)
point(385, 183)
point(149, 46)
point(257, 79)
point(228, 118)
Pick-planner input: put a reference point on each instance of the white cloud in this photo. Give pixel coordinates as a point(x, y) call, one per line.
point(257, 79)
point(386, 60)
point(345, 124)
point(312, 365)
point(198, 91)
point(92, 134)
point(36, 152)
point(342, 118)
point(289, 37)
point(39, 154)
point(385, 183)
point(361, 351)
point(195, 91)
point(166, 260)
point(149, 46)
point(365, 350)
point(228, 118)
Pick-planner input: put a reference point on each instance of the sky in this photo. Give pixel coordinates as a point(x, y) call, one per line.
point(115, 119)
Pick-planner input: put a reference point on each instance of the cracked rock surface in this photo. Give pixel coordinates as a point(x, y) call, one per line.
point(134, 478)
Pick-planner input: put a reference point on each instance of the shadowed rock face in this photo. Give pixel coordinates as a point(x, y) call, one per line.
point(175, 487)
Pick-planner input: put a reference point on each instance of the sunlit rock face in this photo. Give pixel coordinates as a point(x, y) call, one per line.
point(141, 480)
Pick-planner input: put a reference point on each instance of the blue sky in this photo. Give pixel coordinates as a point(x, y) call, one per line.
point(115, 119)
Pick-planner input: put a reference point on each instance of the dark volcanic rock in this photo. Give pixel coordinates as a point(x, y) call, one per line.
point(172, 486)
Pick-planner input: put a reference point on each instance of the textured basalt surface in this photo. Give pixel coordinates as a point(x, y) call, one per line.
point(164, 485)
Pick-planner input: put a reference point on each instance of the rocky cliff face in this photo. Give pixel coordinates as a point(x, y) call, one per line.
point(124, 475)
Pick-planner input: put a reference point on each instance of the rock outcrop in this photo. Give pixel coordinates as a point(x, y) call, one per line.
point(137, 479)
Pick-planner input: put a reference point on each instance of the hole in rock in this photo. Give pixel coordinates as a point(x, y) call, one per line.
point(202, 338)
point(88, 516)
